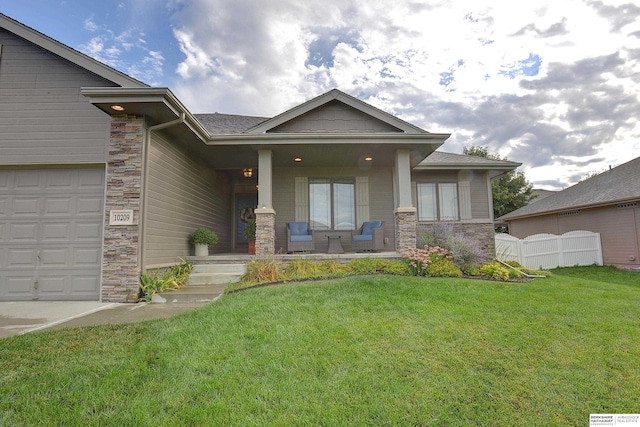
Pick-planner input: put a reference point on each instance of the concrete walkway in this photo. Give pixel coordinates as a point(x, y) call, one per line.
point(21, 317)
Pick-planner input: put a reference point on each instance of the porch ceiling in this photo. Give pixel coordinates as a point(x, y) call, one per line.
point(329, 153)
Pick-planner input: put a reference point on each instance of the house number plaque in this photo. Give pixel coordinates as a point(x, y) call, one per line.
point(121, 217)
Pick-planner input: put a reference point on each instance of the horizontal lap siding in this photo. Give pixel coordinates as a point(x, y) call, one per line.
point(183, 195)
point(43, 116)
point(380, 200)
point(536, 225)
point(617, 227)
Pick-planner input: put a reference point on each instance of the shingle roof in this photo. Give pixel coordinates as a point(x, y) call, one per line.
point(439, 159)
point(616, 185)
point(227, 124)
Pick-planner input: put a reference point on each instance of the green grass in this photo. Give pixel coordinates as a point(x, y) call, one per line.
point(356, 351)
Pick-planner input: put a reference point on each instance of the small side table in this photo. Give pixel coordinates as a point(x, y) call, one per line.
point(335, 245)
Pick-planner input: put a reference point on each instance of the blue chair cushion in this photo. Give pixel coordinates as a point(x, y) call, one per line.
point(302, 238)
point(368, 226)
point(298, 228)
point(362, 237)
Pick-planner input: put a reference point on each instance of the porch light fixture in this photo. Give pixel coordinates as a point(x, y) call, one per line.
point(248, 173)
point(117, 107)
point(368, 159)
point(297, 159)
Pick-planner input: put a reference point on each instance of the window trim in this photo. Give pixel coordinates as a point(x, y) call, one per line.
point(332, 213)
point(438, 201)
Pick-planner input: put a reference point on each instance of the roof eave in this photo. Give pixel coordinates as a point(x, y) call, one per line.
point(570, 208)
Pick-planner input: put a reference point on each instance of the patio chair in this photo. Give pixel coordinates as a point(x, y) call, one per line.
point(299, 237)
point(369, 237)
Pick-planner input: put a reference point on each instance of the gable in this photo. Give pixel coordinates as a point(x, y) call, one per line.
point(334, 117)
point(65, 52)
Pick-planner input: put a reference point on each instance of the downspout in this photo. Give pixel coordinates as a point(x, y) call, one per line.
point(145, 180)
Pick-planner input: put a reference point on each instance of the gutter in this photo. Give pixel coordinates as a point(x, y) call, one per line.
point(145, 179)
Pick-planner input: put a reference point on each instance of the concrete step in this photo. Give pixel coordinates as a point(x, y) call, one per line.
point(216, 274)
point(213, 278)
point(220, 268)
point(190, 294)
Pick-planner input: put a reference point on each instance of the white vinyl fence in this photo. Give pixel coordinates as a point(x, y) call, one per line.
point(550, 251)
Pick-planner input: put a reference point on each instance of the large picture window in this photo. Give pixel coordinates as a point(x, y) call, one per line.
point(332, 204)
point(437, 202)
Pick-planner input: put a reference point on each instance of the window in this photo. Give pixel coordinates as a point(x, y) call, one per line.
point(332, 204)
point(437, 202)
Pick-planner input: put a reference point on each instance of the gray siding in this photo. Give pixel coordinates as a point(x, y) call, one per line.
point(334, 117)
point(183, 195)
point(380, 201)
point(43, 116)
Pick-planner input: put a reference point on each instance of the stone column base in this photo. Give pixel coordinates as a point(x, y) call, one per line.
point(265, 231)
point(406, 222)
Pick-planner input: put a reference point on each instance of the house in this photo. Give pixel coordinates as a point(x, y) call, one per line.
point(103, 177)
point(606, 203)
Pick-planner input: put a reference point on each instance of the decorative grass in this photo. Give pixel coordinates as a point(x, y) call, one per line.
point(356, 351)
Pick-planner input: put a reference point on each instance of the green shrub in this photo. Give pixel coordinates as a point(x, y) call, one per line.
point(377, 266)
point(466, 251)
point(174, 278)
point(495, 271)
point(443, 268)
point(264, 271)
point(302, 268)
point(418, 260)
point(203, 236)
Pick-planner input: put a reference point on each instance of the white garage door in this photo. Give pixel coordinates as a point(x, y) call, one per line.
point(51, 233)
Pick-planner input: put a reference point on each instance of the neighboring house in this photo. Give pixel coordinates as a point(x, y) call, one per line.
point(606, 203)
point(102, 177)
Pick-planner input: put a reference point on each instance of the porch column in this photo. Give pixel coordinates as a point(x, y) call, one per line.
point(265, 214)
point(405, 213)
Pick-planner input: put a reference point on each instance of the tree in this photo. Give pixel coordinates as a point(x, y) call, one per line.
point(511, 191)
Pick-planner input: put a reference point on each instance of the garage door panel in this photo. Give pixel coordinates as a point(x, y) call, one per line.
point(54, 257)
point(51, 223)
point(17, 286)
point(85, 284)
point(59, 179)
point(58, 207)
point(25, 207)
point(23, 233)
point(86, 256)
point(52, 232)
point(27, 181)
point(20, 258)
point(89, 206)
point(51, 284)
point(88, 231)
point(89, 181)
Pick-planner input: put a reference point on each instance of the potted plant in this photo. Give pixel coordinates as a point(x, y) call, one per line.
point(249, 233)
point(202, 238)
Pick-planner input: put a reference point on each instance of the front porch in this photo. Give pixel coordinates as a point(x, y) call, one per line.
point(239, 258)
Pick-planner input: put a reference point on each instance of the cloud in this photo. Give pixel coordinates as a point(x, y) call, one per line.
point(552, 84)
point(118, 49)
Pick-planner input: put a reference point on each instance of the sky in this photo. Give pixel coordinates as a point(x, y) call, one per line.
point(552, 84)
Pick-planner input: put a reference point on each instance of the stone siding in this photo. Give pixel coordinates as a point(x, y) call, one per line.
point(483, 233)
point(405, 230)
point(120, 270)
point(265, 231)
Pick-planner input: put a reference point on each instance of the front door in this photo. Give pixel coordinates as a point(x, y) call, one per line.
point(245, 204)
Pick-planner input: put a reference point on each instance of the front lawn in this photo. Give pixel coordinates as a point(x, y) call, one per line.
point(368, 350)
